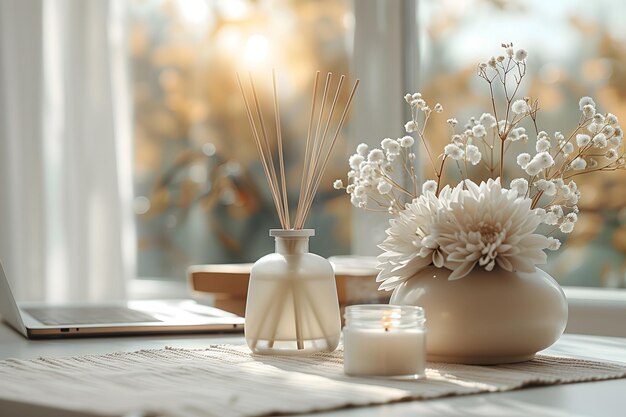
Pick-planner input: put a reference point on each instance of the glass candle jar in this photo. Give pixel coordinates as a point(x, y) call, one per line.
point(384, 340)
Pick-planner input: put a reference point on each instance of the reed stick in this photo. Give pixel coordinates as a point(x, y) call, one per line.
point(332, 145)
point(268, 151)
point(280, 153)
point(257, 142)
point(307, 151)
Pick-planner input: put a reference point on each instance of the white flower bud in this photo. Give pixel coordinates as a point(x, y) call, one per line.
point(588, 111)
point(453, 151)
point(410, 126)
point(487, 120)
point(582, 140)
point(568, 148)
point(567, 227)
point(523, 160)
point(362, 149)
point(520, 55)
point(355, 161)
point(519, 107)
point(375, 155)
point(584, 101)
point(406, 142)
point(599, 140)
point(438, 108)
point(429, 186)
point(338, 184)
point(520, 185)
point(611, 155)
point(578, 164)
point(611, 119)
point(543, 145)
point(553, 243)
point(384, 187)
point(543, 160)
point(479, 131)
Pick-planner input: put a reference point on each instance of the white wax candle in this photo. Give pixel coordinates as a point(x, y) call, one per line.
point(384, 352)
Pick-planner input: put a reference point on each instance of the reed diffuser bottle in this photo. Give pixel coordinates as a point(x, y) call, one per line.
point(292, 305)
point(292, 299)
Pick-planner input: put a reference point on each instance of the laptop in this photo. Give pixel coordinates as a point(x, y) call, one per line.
point(35, 320)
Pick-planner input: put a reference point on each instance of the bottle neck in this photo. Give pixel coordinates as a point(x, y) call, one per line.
point(291, 245)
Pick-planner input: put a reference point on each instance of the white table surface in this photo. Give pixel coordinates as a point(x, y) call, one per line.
point(602, 398)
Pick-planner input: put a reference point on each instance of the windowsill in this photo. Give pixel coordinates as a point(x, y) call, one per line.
point(594, 311)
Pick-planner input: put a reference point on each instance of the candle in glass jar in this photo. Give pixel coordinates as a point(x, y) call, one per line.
point(384, 340)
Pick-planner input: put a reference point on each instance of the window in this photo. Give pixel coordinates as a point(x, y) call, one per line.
point(576, 48)
point(200, 193)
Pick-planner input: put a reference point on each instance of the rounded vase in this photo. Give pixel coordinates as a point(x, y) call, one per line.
point(486, 317)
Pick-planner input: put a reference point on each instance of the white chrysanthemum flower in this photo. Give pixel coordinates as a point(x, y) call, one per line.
point(520, 55)
point(586, 101)
point(355, 161)
point(473, 154)
point(338, 184)
point(611, 119)
point(406, 249)
point(487, 120)
point(599, 140)
point(519, 107)
point(553, 243)
point(429, 186)
point(488, 226)
point(410, 126)
point(392, 148)
point(406, 141)
point(384, 187)
point(523, 160)
point(362, 149)
point(578, 164)
point(582, 140)
point(520, 185)
point(453, 151)
point(543, 145)
point(376, 155)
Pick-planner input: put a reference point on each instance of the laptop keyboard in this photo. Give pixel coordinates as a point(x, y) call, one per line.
point(54, 316)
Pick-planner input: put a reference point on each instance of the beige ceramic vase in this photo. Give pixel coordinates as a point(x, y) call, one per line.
point(486, 317)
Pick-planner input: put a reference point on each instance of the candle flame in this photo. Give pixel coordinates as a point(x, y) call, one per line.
point(386, 322)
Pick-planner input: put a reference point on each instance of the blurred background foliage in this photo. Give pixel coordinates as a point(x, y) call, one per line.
point(201, 195)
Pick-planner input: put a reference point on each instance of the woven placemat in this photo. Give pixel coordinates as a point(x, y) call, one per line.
point(228, 381)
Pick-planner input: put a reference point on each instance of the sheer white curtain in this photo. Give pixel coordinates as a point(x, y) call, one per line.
point(65, 152)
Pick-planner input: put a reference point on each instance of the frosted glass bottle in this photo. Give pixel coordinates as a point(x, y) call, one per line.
point(292, 306)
